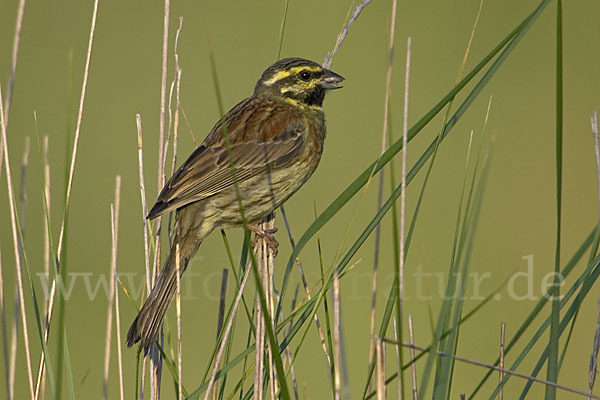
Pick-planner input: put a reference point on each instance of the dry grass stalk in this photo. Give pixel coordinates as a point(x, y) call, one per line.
point(138, 121)
point(143, 380)
point(501, 374)
point(13, 344)
point(114, 223)
point(594, 122)
point(173, 128)
point(78, 125)
point(9, 365)
point(13, 62)
point(413, 365)
point(47, 253)
point(259, 355)
point(175, 86)
point(402, 257)
point(221, 349)
point(163, 97)
point(495, 368)
point(398, 360)
point(380, 369)
point(264, 256)
point(594, 356)
point(155, 358)
point(4, 335)
point(342, 35)
point(384, 145)
point(14, 227)
point(114, 258)
point(268, 259)
point(336, 334)
point(178, 308)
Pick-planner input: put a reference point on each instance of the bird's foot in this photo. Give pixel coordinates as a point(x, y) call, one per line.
point(268, 235)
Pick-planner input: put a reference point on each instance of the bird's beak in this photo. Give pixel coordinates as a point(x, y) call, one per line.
point(331, 80)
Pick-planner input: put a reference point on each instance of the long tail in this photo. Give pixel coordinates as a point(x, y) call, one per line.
point(147, 324)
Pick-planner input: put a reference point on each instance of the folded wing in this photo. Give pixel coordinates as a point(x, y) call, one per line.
point(265, 139)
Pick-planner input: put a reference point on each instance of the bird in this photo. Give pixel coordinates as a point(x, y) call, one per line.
point(259, 153)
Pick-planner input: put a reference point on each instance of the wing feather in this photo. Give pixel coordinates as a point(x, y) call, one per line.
point(261, 137)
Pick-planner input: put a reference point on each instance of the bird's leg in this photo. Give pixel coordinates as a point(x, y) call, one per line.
point(268, 235)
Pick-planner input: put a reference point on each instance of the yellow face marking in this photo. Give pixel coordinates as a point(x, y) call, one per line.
point(296, 103)
point(284, 74)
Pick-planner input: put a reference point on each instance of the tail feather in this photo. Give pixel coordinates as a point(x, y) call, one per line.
point(146, 325)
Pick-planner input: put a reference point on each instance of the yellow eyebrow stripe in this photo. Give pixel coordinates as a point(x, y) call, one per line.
point(284, 74)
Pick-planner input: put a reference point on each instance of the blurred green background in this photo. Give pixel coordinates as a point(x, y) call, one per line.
point(518, 215)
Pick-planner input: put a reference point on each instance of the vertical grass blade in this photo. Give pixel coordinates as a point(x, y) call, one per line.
point(552, 371)
point(282, 30)
point(13, 64)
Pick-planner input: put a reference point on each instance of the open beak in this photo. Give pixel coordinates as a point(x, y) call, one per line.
point(331, 80)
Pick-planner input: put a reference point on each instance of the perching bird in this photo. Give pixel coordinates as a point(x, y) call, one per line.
point(273, 140)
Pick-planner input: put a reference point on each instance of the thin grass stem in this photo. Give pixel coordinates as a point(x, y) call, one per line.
point(14, 228)
point(552, 366)
point(342, 35)
point(13, 64)
point(155, 359)
point(413, 364)
point(306, 287)
point(496, 368)
point(380, 369)
point(41, 375)
point(402, 258)
point(336, 334)
point(226, 334)
point(115, 277)
point(593, 368)
point(6, 354)
point(501, 374)
point(384, 145)
point(138, 120)
point(114, 215)
point(398, 362)
point(178, 309)
point(68, 191)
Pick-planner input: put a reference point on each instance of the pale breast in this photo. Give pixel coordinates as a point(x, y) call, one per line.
point(265, 192)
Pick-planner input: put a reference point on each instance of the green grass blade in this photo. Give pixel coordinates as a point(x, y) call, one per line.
point(38, 318)
point(570, 314)
point(172, 368)
point(552, 371)
point(465, 318)
point(509, 42)
point(579, 253)
point(68, 369)
point(282, 29)
point(584, 276)
point(445, 365)
point(507, 45)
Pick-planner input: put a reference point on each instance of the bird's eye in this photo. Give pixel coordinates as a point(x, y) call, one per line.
point(305, 75)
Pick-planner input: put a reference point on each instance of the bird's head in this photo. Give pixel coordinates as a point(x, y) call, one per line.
point(297, 81)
